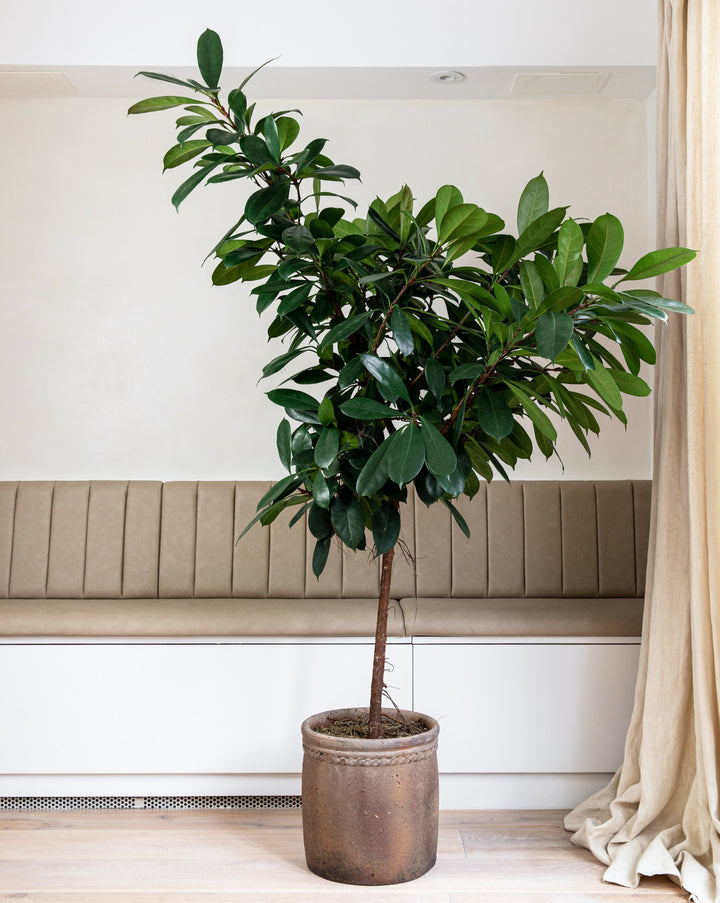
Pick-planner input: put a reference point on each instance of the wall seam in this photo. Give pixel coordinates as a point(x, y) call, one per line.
point(597, 537)
point(159, 540)
point(87, 533)
point(195, 541)
point(12, 538)
point(50, 525)
point(124, 541)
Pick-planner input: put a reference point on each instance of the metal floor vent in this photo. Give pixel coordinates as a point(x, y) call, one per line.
point(149, 802)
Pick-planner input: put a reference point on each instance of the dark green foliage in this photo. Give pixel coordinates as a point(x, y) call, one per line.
point(439, 350)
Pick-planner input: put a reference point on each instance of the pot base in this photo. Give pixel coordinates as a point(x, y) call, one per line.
point(370, 807)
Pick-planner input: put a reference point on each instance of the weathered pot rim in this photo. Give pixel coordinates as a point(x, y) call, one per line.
point(359, 744)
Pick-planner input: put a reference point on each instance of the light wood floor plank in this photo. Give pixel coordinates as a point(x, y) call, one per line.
point(207, 856)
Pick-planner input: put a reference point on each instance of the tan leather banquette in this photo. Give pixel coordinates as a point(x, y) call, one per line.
point(152, 559)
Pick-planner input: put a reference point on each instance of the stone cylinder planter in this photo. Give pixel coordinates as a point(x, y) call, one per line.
point(370, 807)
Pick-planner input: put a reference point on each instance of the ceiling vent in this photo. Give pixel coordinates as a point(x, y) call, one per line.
point(558, 84)
point(34, 84)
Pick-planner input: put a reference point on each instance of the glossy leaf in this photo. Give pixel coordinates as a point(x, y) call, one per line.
point(494, 415)
point(264, 203)
point(568, 260)
point(538, 417)
point(629, 383)
point(272, 138)
point(458, 518)
point(604, 246)
point(210, 57)
point(435, 378)
point(181, 153)
point(402, 333)
point(532, 284)
point(367, 409)
point(552, 334)
point(389, 381)
point(385, 527)
point(605, 386)
point(327, 447)
point(321, 490)
point(374, 474)
point(534, 202)
point(284, 443)
point(319, 523)
point(344, 330)
point(153, 104)
point(406, 455)
point(348, 521)
point(440, 456)
point(656, 263)
point(292, 398)
point(320, 555)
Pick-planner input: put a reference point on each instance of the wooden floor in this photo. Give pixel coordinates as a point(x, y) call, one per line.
point(257, 857)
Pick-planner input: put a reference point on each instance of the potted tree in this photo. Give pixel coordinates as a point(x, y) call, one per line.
point(433, 348)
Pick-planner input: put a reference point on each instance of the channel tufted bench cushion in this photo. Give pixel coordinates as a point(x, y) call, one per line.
point(147, 559)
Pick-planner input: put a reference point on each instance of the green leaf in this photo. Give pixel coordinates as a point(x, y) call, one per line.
point(658, 262)
point(277, 363)
point(406, 455)
point(336, 173)
point(320, 555)
point(296, 298)
point(348, 521)
point(604, 246)
point(210, 57)
point(440, 456)
point(292, 398)
point(367, 409)
point(562, 298)
point(448, 196)
point(152, 104)
point(539, 231)
point(187, 186)
point(402, 333)
point(461, 221)
point(606, 387)
point(262, 204)
point(288, 130)
point(552, 334)
point(630, 384)
point(374, 473)
point(458, 518)
point(344, 330)
point(326, 412)
point(167, 78)
point(319, 523)
point(586, 359)
point(539, 418)
point(321, 490)
point(568, 260)
point(181, 153)
point(467, 372)
point(284, 443)
point(534, 202)
point(494, 414)
point(435, 378)
point(389, 381)
point(385, 527)
point(299, 239)
point(255, 149)
point(532, 285)
point(327, 447)
point(272, 138)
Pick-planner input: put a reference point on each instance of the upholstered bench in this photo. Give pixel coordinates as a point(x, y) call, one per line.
point(137, 637)
point(149, 559)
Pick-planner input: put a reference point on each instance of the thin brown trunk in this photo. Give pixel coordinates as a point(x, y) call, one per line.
point(378, 674)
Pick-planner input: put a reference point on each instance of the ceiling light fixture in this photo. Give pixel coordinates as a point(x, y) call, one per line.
point(447, 77)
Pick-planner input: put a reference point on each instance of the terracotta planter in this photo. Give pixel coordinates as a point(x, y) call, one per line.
point(370, 807)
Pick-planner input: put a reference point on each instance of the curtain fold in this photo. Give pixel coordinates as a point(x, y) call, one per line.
point(660, 815)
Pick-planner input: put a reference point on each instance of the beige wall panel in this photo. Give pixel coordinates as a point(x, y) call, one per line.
point(68, 537)
point(433, 549)
point(214, 543)
point(177, 540)
point(286, 574)
point(506, 566)
point(403, 577)
point(8, 492)
point(251, 554)
point(31, 540)
point(470, 556)
point(616, 538)
point(642, 492)
point(142, 539)
point(105, 539)
point(579, 539)
point(543, 539)
point(361, 574)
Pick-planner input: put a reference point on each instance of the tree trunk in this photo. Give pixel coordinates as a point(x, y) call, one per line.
point(378, 683)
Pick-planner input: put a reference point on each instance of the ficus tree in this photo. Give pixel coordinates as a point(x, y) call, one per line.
point(424, 345)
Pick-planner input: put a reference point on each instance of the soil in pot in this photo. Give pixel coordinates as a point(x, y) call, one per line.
point(370, 807)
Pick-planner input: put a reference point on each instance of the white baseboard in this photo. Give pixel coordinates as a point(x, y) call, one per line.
point(457, 791)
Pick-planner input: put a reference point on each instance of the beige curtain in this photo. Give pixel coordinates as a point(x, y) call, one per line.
point(660, 815)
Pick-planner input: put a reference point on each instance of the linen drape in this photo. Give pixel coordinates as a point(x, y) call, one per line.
point(659, 815)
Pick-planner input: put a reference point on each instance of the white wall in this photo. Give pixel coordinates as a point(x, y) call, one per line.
point(118, 359)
